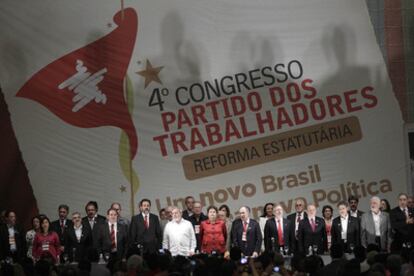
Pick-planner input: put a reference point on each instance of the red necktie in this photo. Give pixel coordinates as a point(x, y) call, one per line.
point(313, 225)
point(244, 226)
point(113, 243)
point(62, 226)
point(146, 221)
point(280, 233)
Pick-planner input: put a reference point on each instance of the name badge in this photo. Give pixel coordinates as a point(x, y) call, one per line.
point(197, 229)
point(45, 246)
point(12, 241)
point(244, 238)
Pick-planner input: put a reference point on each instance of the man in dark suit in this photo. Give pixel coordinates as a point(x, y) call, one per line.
point(92, 218)
point(78, 239)
point(12, 239)
point(188, 212)
point(62, 224)
point(196, 218)
point(353, 202)
point(402, 222)
point(278, 233)
point(112, 237)
point(246, 233)
point(312, 233)
point(145, 229)
point(295, 219)
point(345, 229)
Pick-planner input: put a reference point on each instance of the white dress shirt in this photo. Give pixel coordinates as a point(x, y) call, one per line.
point(377, 222)
point(12, 240)
point(78, 232)
point(344, 227)
point(179, 238)
point(354, 214)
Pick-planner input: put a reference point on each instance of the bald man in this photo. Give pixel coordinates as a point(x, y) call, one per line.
point(312, 233)
point(246, 233)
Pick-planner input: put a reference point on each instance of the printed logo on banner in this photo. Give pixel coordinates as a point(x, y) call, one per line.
point(86, 87)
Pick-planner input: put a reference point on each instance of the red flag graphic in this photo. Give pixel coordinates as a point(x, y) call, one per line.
point(85, 87)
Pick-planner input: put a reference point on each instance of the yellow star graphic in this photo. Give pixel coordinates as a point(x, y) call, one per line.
point(150, 73)
point(122, 188)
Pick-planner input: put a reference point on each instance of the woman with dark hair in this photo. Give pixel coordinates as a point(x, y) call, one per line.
point(327, 214)
point(224, 215)
point(31, 234)
point(213, 233)
point(267, 214)
point(224, 208)
point(46, 242)
point(385, 206)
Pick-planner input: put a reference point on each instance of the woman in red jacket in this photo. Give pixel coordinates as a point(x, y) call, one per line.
point(213, 233)
point(46, 243)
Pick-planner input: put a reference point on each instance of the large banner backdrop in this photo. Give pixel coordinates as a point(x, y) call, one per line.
point(233, 102)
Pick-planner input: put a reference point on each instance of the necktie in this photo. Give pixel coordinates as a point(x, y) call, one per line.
point(62, 225)
point(113, 243)
point(244, 226)
point(146, 221)
point(280, 233)
point(313, 225)
point(297, 225)
point(406, 213)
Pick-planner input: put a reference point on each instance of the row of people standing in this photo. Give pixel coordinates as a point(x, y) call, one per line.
point(303, 231)
point(185, 233)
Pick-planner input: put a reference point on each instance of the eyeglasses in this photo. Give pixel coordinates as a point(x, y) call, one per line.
point(298, 205)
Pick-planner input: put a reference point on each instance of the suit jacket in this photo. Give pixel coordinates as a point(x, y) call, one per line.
point(292, 218)
point(352, 232)
point(151, 238)
point(359, 215)
point(20, 239)
point(55, 226)
point(270, 231)
point(253, 237)
point(368, 230)
point(403, 232)
point(81, 247)
point(196, 224)
point(98, 220)
point(307, 237)
point(186, 215)
point(103, 240)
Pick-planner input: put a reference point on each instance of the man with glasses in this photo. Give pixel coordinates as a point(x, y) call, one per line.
point(78, 239)
point(312, 233)
point(121, 220)
point(92, 218)
point(295, 219)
